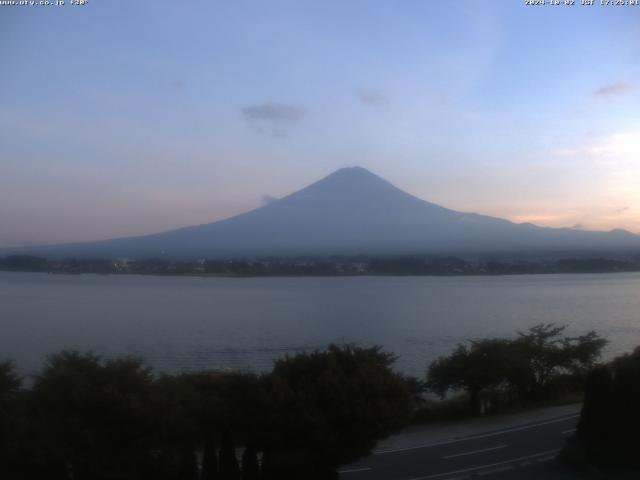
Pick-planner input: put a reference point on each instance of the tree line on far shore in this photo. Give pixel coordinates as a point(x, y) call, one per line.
point(322, 266)
point(84, 417)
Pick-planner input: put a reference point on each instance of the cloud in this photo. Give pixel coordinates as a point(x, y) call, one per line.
point(614, 90)
point(267, 199)
point(542, 218)
point(369, 97)
point(624, 145)
point(177, 84)
point(610, 164)
point(586, 150)
point(273, 117)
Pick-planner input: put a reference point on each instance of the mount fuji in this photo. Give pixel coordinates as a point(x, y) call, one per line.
point(351, 211)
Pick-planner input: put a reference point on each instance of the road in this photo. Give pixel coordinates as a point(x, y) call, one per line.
point(515, 452)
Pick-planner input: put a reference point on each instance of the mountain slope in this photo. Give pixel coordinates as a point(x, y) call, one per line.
point(351, 211)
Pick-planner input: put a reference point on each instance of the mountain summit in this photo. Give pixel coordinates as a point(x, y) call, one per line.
point(351, 211)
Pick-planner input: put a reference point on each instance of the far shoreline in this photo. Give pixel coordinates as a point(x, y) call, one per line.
point(351, 275)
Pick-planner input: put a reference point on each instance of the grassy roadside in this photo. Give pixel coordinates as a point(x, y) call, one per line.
point(456, 407)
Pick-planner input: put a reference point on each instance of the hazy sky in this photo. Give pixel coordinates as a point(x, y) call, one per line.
point(122, 118)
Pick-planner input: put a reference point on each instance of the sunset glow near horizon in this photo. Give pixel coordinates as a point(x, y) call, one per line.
point(125, 118)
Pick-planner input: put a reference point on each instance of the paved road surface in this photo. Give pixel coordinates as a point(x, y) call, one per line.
point(515, 452)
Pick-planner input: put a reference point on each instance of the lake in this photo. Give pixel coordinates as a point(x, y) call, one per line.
point(192, 323)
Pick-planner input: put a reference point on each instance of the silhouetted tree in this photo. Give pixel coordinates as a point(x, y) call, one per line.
point(92, 417)
point(229, 469)
point(542, 352)
point(524, 365)
point(625, 395)
point(330, 407)
point(209, 459)
point(483, 364)
point(10, 384)
point(250, 465)
point(610, 419)
point(176, 435)
point(594, 424)
point(88, 418)
point(189, 465)
point(231, 403)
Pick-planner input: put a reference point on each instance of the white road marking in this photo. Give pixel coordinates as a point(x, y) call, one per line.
point(495, 470)
point(544, 459)
point(354, 470)
point(566, 432)
point(490, 465)
point(475, 437)
point(489, 449)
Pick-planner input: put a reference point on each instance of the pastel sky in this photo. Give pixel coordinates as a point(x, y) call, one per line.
point(123, 118)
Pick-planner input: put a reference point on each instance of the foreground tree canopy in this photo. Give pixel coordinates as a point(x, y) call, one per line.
point(523, 367)
point(607, 432)
point(88, 418)
point(331, 407)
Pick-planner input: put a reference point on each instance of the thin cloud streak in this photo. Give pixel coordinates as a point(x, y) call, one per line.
point(274, 112)
point(614, 90)
point(273, 118)
point(369, 97)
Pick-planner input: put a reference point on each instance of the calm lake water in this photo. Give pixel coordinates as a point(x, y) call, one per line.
point(189, 323)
